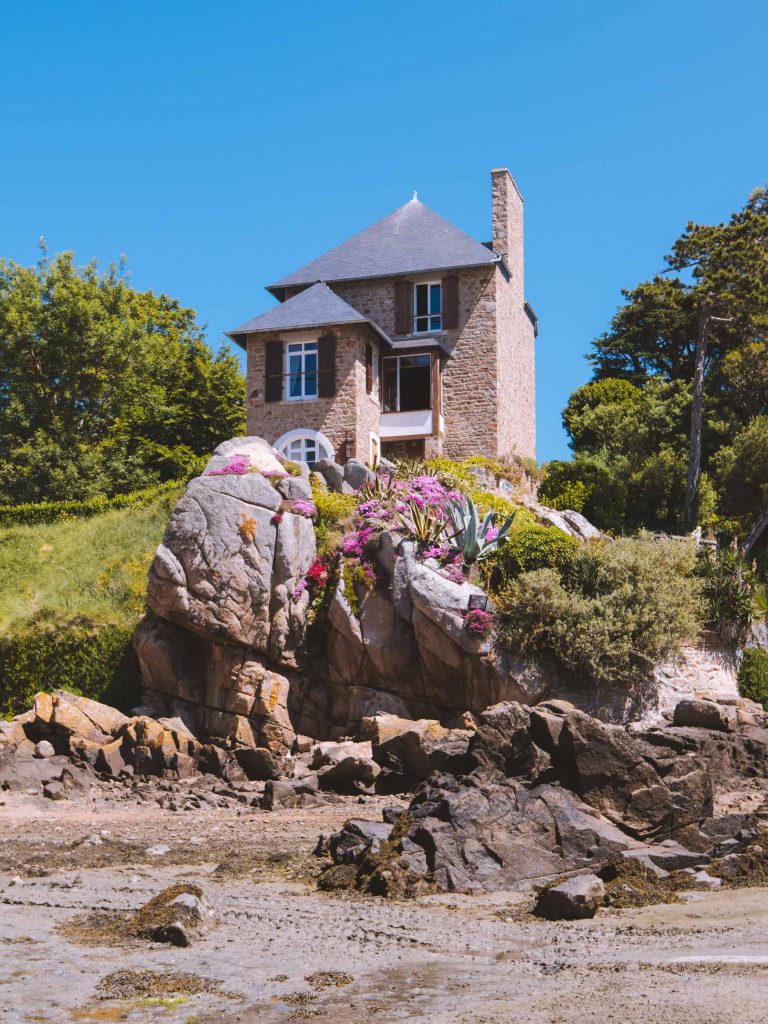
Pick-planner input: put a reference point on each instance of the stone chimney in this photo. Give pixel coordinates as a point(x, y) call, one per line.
point(507, 220)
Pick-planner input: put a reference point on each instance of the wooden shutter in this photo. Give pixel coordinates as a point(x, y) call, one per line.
point(326, 364)
point(369, 369)
point(450, 302)
point(403, 307)
point(273, 382)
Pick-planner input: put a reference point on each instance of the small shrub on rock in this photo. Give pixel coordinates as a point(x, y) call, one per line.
point(611, 615)
point(526, 550)
point(753, 675)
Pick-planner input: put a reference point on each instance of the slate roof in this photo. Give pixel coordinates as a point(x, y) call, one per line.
point(411, 240)
point(317, 306)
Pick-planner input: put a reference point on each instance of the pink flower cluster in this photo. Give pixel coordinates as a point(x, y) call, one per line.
point(478, 621)
point(354, 544)
point(275, 474)
point(308, 509)
point(239, 466)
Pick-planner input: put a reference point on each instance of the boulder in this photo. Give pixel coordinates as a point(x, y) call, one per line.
point(258, 763)
point(356, 838)
point(357, 474)
point(331, 472)
point(413, 750)
point(109, 759)
point(503, 741)
point(572, 900)
point(349, 775)
point(703, 714)
point(44, 749)
point(260, 455)
point(178, 915)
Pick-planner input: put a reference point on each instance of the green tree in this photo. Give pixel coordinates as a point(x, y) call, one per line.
point(704, 330)
point(103, 388)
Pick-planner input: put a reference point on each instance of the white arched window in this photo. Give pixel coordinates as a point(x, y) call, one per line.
point(304, 445)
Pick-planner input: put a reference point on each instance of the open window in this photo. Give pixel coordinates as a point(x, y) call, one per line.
point(407, 383)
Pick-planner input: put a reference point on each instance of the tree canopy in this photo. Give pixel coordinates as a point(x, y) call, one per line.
point(103, 388)
point(632, 429)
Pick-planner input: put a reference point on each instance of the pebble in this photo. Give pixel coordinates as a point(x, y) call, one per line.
point(158, 850)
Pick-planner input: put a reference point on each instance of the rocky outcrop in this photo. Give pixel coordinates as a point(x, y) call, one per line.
point(552, 792)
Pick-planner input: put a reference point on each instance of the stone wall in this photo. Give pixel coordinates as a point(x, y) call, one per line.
point(347, 420)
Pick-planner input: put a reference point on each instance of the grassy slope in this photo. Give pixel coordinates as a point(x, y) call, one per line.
point(84, 567)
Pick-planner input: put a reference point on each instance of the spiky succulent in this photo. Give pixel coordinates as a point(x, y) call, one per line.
point(467, 533)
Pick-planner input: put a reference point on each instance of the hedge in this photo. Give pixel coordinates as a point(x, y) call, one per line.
point(93, 659)
point(56, 511)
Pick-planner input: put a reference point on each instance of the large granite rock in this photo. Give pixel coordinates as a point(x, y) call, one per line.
point(227, 572)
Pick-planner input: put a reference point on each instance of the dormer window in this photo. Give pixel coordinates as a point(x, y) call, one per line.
point(427, 307)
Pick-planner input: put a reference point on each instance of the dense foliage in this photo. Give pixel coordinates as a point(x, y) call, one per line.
point(610, 615)
point(103, 389)
point(753, 675)
point(630, 428)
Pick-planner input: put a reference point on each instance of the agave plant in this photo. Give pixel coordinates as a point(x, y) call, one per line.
point(475, 539)
point(422, 524)
point(381, 488)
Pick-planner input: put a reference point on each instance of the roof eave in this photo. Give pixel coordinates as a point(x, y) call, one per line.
point(238, 334)
point(273, 288)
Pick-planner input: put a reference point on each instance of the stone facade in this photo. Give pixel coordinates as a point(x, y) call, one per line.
point(347, 420)
point(485, 401)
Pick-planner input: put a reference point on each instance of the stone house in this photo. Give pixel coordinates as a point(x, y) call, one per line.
point(411, 338)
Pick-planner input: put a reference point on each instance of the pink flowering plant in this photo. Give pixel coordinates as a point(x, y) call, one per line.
point(478, 621)
point(302, 507)
point(238, 466)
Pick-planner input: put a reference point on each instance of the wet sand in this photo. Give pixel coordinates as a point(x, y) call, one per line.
point(458, 959)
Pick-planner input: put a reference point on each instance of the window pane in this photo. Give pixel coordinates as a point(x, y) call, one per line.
point(310, 362)
point(294, 348)
point(435, 323)
point(422, 323)
point(435, 296)
point(310, 385)
point(421, 299)
point(310, 346)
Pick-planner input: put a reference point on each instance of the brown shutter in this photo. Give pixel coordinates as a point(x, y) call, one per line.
point(369, 369)
point(450, 302)
point(326, 364)
point(403, 307)
point(273, 382)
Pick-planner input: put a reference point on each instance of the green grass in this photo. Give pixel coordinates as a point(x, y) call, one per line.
point(94, 568)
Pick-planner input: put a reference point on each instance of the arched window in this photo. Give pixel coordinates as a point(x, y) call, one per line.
point(304, 445)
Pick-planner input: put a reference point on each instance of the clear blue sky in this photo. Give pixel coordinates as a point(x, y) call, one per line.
point(220, 145)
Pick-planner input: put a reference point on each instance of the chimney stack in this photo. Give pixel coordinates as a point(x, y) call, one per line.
point(507, 220)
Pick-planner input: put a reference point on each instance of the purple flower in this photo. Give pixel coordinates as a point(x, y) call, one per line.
point(478, 621)
point(491, 533)
point(304, 508)
point(239, 466)
point(301, 586)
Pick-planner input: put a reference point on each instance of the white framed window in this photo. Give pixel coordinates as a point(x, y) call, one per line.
point(427, 307)
point(407, 383)
point(300, 370)
point(304, 445)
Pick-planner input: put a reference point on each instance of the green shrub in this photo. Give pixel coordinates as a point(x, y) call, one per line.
point(93, 659)
point(527, 549)
point(730, 589)
point(611, 615)
point(753, 675)
point(332, 512)
point(58, 511)
point(588, 486)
